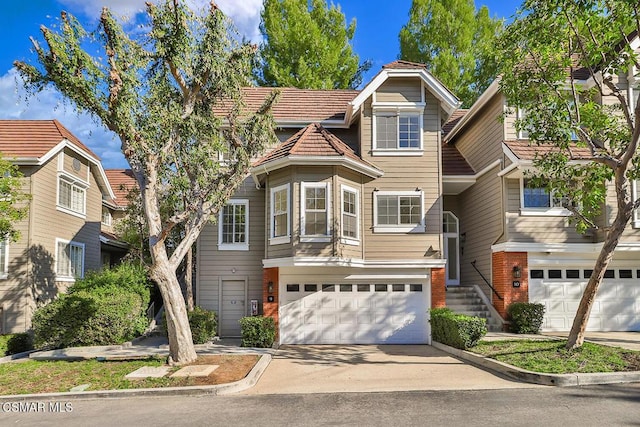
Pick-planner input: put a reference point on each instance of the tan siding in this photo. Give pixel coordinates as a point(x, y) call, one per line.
point(215, 265)
point(399, 90)
point(82, 172)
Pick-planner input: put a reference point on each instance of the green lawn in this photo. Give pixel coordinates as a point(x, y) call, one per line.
point(550, 356)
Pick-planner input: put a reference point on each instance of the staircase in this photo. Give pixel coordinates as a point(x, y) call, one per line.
point(465, 300)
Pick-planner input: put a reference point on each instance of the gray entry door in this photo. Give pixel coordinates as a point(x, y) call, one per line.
point(233, 307)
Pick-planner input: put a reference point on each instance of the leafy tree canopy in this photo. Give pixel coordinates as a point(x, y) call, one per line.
point(12, 200)
point(455, 41)
point(307, 45)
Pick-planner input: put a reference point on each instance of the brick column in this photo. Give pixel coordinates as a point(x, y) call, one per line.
point(502, 268)
point(438, 290)
point(270, 309)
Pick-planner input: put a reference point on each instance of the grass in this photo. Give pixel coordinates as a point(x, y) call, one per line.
point(31, 376)
point(550, 356)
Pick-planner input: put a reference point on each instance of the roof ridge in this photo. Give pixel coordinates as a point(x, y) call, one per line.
point(331, 139)
point(305, 130)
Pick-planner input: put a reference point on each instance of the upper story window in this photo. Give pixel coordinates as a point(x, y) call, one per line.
point(522, 133)
point(106, 216)
point(314, 209)
point(69, 260)
point(537, 200)
point(397, 130)
point(280, 208)
point(71, 195)
point(398, 211)
point(233, 226)
point(350, 221)
point(4, 259)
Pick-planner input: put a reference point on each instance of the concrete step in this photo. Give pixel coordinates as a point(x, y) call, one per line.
point(468, 307)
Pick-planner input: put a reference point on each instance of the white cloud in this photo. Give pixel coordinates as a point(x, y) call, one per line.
point(48, 105)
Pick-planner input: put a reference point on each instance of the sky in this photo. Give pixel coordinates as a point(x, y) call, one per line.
point(378, 23)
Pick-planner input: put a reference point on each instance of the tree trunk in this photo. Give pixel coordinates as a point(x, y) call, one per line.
point(188, 279)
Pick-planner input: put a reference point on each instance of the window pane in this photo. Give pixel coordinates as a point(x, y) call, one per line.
point(410, 210)
point(409, 135)
point(77, 256)
point(386, 131)
point(281, 213)
point(387, 210)
point(62, 259)
point(64, 197)
point(315, 211)
point(535, 197)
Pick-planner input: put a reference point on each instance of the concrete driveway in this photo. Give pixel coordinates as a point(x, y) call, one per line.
point(371, 368)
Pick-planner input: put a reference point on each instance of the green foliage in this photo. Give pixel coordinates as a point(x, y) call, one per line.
point(126, 277)
point(13, 206)
point(258, 331)
point(456, 330)
point(525, 317)
point(19, 343)
point(90, 317)
point(307, 45)
point(456, 41)
point(203, 324)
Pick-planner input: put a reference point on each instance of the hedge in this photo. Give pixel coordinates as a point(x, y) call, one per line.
point(257, 331)
point(203, 324)
point(456, 330)
point(525, 317)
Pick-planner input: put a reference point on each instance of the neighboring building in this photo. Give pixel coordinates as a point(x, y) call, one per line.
point(60, 239)
point(113, 249)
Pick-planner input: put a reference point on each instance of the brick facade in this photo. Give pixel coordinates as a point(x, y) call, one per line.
point(503, 264)
point(270, 309)
point(438, 289)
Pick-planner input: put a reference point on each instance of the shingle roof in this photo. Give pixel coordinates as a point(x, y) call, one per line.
point(453, 120)
point(312, 140)
point(454, 163)
point(121, 181)
point(525, 150)
point(298, 104)
point(35, 138)
point(405, 65)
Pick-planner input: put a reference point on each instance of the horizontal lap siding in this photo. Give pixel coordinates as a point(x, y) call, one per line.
point(215, 265)
point(405, 174)
point(399, 90)
point(82, 172)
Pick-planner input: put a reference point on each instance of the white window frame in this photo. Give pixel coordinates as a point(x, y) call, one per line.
point(541, 211)
point(398, 228)
point(234, 246)
point(398, 110)
point(277, 240)
point(636, 213)
point(75, 185)
point(5, 266)
point(109, 218)
point(304, 237)
point(348, 240)
point(520, 114)
point(70, 243)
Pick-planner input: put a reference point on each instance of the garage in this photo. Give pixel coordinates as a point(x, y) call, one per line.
point(335, 310)
point(559, 287)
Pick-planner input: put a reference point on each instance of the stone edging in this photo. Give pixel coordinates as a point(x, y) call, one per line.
point(560, 380)
point(247, 382)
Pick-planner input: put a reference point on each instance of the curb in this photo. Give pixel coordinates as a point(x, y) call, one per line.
point(559, 380)
point(212, 390)
point(16, 356)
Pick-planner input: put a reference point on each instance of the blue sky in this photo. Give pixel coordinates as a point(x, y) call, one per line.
point(376, 38)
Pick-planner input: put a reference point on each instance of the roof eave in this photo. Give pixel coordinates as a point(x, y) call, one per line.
point(265, 168)
point(489, 93)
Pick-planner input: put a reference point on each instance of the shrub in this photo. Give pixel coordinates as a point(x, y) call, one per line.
point(525, 317)
point(126, 276)
point(104, 316)
point(203, 324)
point(456, 330)
point(257, 331)
point(19, 343)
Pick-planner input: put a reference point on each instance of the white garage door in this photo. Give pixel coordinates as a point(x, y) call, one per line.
point(617, 304)
point(335, 312)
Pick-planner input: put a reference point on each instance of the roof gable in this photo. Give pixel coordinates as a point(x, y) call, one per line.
point(121, 181)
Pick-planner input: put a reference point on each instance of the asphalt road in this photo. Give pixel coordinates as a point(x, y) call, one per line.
point(610, 405)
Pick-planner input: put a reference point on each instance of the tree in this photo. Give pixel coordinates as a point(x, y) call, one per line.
point(307, 46)
point(548, 52)
point(455, 41)
point(156, 89)
point(12, 208)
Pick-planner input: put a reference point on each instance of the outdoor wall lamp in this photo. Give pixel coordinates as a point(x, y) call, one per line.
point(270, 287)
point(517, 272)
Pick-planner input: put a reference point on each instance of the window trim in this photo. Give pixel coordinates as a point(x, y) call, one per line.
point(308, 238)
point(60, 278)
point(347, 240)
point(109, 222)
point(222, 246)
point(398, 228)
point(74, 183)
point(398, 110)
point(273, 240)
point(520, 114)
point(541, 211)
point(635, 222)
point(5, 272)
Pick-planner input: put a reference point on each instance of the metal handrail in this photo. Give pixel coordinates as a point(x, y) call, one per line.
point(473, 264)
point(151, 311)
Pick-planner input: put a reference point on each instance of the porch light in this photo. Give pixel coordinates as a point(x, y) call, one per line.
point(517, 272)
point(270, 287)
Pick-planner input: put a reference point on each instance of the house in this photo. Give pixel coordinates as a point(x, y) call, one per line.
point(338, 232)
point(519, 236)
point(60, 238)
point(112, 248)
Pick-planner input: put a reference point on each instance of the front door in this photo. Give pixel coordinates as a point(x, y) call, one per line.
point(451, 240)
point(233, 307)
